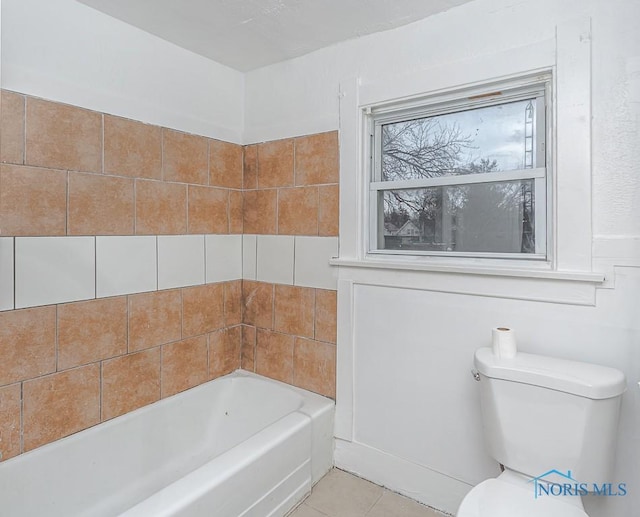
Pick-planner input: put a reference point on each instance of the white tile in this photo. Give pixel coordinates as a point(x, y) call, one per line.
point(126, 265)
point(180, 260)
point(6, 273)
point(54, 270)
point(312, 267)
point(249, 250)
point(274, 261)
point(224, 257)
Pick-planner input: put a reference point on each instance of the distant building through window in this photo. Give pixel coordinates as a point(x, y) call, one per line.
point(461, 175)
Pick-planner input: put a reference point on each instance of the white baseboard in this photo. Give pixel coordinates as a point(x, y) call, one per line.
point(427, 486)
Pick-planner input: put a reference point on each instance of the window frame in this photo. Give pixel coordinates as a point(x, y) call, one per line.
point(452, 101)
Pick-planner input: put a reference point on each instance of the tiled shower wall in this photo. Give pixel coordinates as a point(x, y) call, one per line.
point(291, 206)
point(122, 254)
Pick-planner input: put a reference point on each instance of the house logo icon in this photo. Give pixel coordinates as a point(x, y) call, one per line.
point(557, 483)
point(542, 485)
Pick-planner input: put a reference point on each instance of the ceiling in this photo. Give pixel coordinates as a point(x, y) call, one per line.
point(248, 34)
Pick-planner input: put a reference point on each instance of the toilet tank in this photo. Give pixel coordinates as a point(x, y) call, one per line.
point(541, 413)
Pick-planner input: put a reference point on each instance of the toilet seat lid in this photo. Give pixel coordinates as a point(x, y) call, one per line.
point(496, 498)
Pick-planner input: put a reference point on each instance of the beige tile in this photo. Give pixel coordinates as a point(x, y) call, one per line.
point(12, 127)
point(185, 157)
point(339, 494)
point(275, 164)
point(91, 331)
point(399, 506)
point(257, 303)
point(250, 176)
point(100, 205)
point(184, 365)
point(225, 164)
point(317, 160)
point(208, 210)
point(161, 208)
point(328, 210)
point(260, 211)
point(232, 303)
point(27, 343)
point(236, 201)
point(224, 351)
point(132, 148)
point(248, 351)
point(314, 366)
point(59, 136)
point(154, 319)
point(274, 355)
point(130, 382)
point(326, 315)
point(294, 310)
point(58, 405)
point(10, 428)
point(306, 511)
point(298, 211)
point(33, 201)
point(202, 309)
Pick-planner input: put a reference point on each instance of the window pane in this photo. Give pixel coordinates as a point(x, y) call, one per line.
point(489, 139)
point(480, 217)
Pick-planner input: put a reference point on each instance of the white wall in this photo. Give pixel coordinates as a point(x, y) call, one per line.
point(407, 405)
point(65, 51)
point(301, 96)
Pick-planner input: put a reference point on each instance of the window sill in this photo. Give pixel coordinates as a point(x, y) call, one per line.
point(403, 265)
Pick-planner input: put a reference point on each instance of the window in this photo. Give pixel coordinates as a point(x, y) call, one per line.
point(464, 175)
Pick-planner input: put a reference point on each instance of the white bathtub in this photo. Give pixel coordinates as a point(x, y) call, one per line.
point(240, 445)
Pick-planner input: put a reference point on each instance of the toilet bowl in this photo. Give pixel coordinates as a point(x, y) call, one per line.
point(543, 417)
point(508, 496)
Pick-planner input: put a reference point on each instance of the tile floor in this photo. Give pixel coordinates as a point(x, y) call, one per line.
point(340, 494)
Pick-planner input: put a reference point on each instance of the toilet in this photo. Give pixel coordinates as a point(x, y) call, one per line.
point(551, 423)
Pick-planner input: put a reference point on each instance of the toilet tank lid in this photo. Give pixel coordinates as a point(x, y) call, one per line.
point(582, 379)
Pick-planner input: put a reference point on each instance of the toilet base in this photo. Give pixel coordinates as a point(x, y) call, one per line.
point(512, 494)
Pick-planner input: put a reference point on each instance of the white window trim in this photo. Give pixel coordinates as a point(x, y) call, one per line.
point(538, 85)
point(568, 56)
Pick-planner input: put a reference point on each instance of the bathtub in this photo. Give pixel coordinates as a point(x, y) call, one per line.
point(240, 445)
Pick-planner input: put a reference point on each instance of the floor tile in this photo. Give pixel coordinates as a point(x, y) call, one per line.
point(399, 506)
point(340, 494)
point(306, 511)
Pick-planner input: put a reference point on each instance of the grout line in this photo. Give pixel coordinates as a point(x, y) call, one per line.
point(66, 214)
point(24, 131)
point(135, 206)
point(57, 339)
point(187, 190)
point(273, 307)
point(317, 210)
point(102, 150)
point(377, 500)
point(181, 313)
point(162, 153)
point(315, 311)
point(21, 417)
point(209, 161)
point(101, 387)
point(128, 297)
point(293, 165)
point(161, 347)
